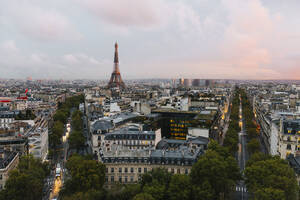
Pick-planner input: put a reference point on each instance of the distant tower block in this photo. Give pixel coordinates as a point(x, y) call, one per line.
point(115, 79)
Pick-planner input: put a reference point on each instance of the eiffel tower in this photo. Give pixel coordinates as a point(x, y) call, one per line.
point(115, 79)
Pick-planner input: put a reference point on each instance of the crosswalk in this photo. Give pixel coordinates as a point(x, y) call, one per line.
point(240, 189)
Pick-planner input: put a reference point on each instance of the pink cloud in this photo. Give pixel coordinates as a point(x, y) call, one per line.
point(126, 12)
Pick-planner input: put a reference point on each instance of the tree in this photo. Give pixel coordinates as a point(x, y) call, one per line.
point(156, 183)
point(159, 174)
point(180, 187)
point(143, 196)
point(87, 195)
point(251, 132)
point(214, 146)
point(27, 181)
point(269, 194)
point(61, 116)
point(231, 137)
point(231, 143)
point(220, 173)
point(256, 157)
point(123, 192)
point(54, 140)
point(89, 173)
point(77, 123)
point(156, 189)
point(58, 128)
point(271, 175)
point(57, 133)
point(253, 146)
point(203, 191)
point(76, 140)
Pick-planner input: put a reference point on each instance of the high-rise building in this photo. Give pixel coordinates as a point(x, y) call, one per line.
point(187, 82)
point(196, 82)
point(115, 79)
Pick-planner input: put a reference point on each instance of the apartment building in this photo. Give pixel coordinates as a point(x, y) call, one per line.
point(8, 161)
point(125, 165)
point(289, 138)
point(6, 117)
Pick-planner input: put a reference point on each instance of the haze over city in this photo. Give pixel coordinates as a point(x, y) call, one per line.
point(221, 39)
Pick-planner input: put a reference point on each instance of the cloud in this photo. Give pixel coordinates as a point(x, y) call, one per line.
point(243, 46)
point(126, 12)
point(203, 38)
point(9, 46)
point(40, 65)
point(38, 22)
point(82, 59)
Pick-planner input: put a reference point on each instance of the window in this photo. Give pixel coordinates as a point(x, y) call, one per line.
point(172, 170)
point(131, 178)
point(126, 179)
point(178, 171)
point(126, 169)
point(106, 179)
point(106, 170)
point(120, 179)
point(186, 171)
point(120, 170)
point(112, 179)
point(145, 170)
point(0, 176)
point(112, 170)
point(288, 147)
point(131, 170)
point(140, 170)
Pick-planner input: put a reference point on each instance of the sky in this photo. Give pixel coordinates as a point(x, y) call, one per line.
point(215, 39)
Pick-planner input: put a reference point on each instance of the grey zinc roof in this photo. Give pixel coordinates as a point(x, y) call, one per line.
point(102, 125)
point(126, 133)
point(123, 116)
point(165, 143)
point(173, 154)
point(198, 140)
point(183, 152)
point(157, 154)
point(119, 151)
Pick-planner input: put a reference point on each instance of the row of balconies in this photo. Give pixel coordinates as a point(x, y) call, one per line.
point(129, 142)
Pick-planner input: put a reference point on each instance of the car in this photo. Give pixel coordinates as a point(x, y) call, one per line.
point(57, 170)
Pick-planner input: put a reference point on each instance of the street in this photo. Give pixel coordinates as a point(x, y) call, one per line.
point(241, 189)
point(54, 183)
point(57, 182)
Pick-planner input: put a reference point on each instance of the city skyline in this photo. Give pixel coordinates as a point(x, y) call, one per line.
point(219, 39)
